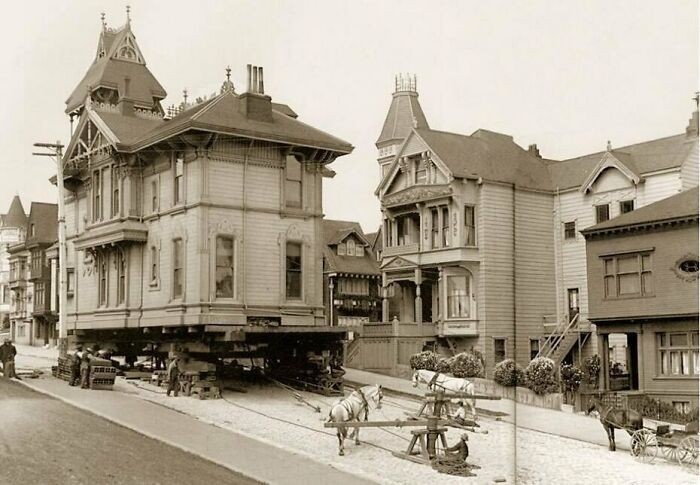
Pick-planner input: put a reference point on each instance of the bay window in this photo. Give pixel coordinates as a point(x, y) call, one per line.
point(224, 267)
point(458, 297)
point(677, 353)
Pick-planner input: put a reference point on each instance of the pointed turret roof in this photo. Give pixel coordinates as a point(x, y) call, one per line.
point(404, 113)
point(120, 65)
point(15, 217)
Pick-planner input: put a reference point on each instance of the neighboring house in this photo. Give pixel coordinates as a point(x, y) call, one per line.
point(643, 288)
point(208, 218)
point(351, 275)
point(12, 227)
point(32, 321)
point(479, 236)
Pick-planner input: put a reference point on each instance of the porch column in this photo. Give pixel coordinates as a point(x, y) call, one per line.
point(385, 299)
point(604, 366)
point(418, 310)
point(640, 358)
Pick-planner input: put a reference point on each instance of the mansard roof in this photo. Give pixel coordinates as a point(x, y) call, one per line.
point(111, 68)
point(15, 217)
point(44, 216)
point(488, 155)
point(220, 114)
point(404, 114)
point(649, 156)
point(675, 208)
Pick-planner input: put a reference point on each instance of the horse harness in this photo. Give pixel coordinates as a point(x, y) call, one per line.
point(349, 409)
point(433, 381)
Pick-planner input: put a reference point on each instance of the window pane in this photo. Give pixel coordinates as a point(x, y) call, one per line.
point(647, 284)
point(293, 270)
point(695, 338)
point(679, 339)
point(646, 262)
point(341, 249)
point(292, 191)
point(629, 284)
point(602, 213)
point(359, 250)
point(694, 355)
point(628, 264)
point(457, 296)
point(293, 168)
point(662, 340)
point(685, 367)
point(351, 247)
point(609, 267)
point(224, 267)
point(664, 362)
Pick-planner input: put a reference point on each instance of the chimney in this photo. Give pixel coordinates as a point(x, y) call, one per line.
point(126, 106)
point(692, 128)
point(534, 151)
point(255, 105)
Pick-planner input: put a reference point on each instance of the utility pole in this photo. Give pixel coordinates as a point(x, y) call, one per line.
point(56, 151)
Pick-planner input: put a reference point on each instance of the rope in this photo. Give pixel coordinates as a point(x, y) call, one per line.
point(450, 466)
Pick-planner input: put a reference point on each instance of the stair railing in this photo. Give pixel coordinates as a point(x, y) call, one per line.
point(555, 338)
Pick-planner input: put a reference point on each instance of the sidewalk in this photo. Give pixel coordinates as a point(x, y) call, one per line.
point(236, 452)
point(568, 425)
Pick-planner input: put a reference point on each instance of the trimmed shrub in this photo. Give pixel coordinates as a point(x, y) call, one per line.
point(444, 366)
point(591, 368)
point(424, 360)
point(540, 376)
point(466, 364)
point(571, 377)
point(663, 411)
point(508, 373)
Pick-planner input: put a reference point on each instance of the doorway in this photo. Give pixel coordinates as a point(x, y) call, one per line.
point(573, 302)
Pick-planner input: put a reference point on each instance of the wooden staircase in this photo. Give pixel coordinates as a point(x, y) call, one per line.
point(352, 352)
point(560, 342)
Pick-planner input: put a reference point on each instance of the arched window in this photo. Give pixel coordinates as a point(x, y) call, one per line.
point(351, 247)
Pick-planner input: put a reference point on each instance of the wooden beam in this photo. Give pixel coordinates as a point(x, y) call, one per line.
point(385, 424)
point(460, 395)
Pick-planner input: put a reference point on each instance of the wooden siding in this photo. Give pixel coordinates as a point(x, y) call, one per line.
point(535, 291)
point(672, 295)
point(496, 222)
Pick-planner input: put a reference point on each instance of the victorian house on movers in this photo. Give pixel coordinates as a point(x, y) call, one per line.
point(481, 245)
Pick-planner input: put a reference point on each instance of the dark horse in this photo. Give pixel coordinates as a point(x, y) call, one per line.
point(615, 418)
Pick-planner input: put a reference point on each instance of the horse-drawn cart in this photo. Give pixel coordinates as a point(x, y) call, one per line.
point(676, 445)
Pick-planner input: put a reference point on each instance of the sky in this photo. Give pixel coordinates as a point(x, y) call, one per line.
point(566, 75)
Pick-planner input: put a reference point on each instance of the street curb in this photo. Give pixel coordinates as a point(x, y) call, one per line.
point(119, 422)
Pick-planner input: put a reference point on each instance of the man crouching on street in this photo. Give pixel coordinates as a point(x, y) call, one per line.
point(174, 376)
point(7, 356)
point(460, 451)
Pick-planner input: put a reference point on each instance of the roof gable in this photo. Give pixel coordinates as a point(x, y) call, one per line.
point(15, 217)
point(91, 134)
point(612, 160)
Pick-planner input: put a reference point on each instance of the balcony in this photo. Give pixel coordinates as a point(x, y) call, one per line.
point(458, 328)
point(112, 232)
point(39, 272)
point(18, 279)
point(403, 249)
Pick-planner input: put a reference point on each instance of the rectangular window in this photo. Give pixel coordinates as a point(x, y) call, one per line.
point(341, 249)
point(39, 295)
point(602, 213)
point(534, 347)
point(178, 257)
point(681, 406)
point(626, 206)
point(121, 278)
point(96, 196)
point(445, 227)
point(628, 275)
point(499, 350)
point(102, 274)
point(70, 280)
point(5, 294)
point(435, 227)
point(224, 267)
point(292, 187)
point(421, 173)
point(678, 353)
point(179, 180)
point(154, 196)
point(570, 230)
point(293, 270)
point(154, 265)
point(115, 195)
point(457, 297)
point(469, 226)
point(359, 250)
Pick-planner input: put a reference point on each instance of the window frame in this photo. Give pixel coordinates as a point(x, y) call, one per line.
point(570, 230)
point(115, 195)
point(122, 269)
point(665, 349)
point(300, 271)
point(598, 208)
point(102, 280)
point(614, 276)
point(470, 230)
point(70, 277)
point(449, 298)
point(294, 205)
point(504, 342)
point(154, 269)
point(178, 259)
point(179, 195)
point(539, 347)
point(232, 267)
point(622, 206)
point(445, 238)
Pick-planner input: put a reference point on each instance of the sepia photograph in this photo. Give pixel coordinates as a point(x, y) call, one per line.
point(350, 242)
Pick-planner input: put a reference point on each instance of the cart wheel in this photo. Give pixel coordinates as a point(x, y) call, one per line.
point(644, 446)
point(670, 452)
point(687, 451)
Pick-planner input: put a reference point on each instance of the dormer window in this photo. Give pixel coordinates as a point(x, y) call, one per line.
point(351, 247)
point(341, 249)
point(359, 250)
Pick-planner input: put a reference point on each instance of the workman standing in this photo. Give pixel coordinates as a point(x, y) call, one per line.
point(85, 370)
point(7, 356)
point(174, 376)
point(75, 368)
point(460, 451)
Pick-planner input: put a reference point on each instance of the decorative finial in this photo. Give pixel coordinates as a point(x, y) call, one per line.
point(227, 85)
point(696, 98)
point(184, 95)
point(228, 73)
point(128, 14)
point(104, 22)
point(609, 147)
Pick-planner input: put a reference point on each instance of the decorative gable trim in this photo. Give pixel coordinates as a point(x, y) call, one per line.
point(398, 164)
point(398, 263)
point(609, 161)
point(128, 50)
point(98, 137)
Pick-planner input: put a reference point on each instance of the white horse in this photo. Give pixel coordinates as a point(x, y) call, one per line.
point(437, 382)
point(355, 407)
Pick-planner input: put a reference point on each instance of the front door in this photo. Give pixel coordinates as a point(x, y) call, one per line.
point(573, 302)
